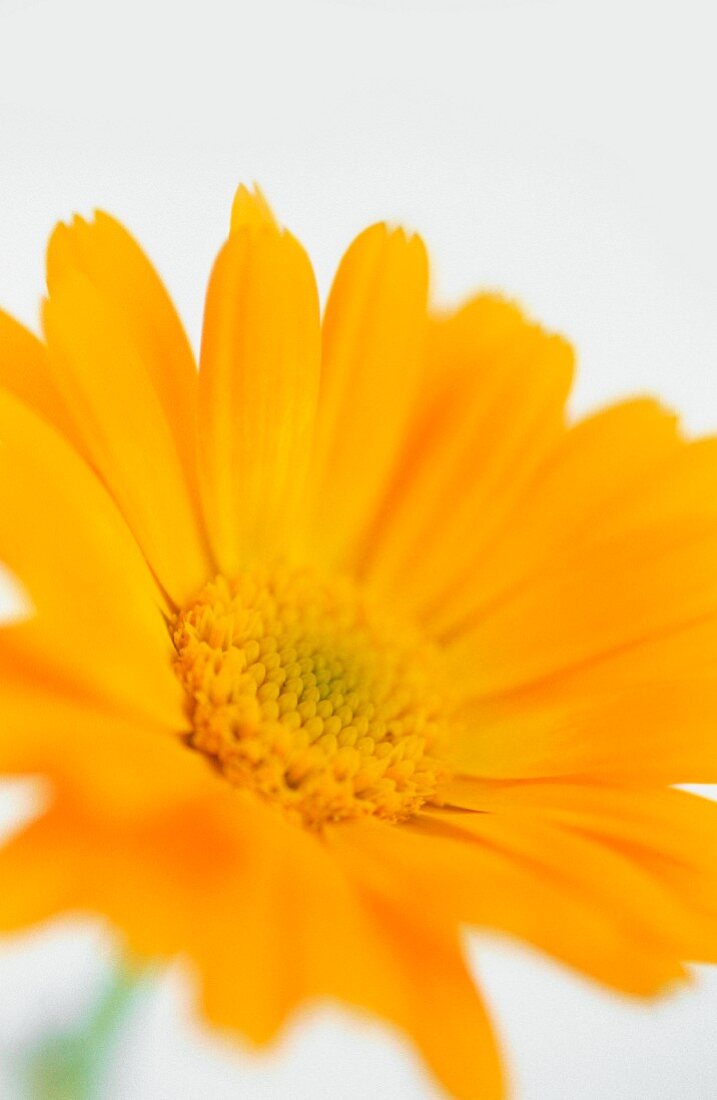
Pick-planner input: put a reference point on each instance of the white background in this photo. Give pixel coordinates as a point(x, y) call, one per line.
point(561, 151)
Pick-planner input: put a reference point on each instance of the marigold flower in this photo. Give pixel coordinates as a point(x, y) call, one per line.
point(350, 639)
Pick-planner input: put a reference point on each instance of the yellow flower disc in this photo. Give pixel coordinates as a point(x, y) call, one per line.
point(299, 691)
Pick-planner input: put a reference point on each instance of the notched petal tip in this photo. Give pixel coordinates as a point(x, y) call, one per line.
point(68, 243)
point(390, 234)
point(72, 242)
point(250, 210)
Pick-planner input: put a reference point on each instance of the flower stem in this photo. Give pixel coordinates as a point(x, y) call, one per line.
point(73, 1065)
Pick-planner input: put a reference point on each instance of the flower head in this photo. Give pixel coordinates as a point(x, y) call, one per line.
point(350, 638)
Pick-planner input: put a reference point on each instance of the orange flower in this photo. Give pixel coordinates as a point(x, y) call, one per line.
point(349, 639)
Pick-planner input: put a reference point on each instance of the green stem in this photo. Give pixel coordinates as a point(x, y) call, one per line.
point(73, 1065)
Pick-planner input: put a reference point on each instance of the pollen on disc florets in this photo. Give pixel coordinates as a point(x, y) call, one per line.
point(300, 692)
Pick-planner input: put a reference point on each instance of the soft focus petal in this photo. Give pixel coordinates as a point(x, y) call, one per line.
point(411, 969)
point(114, 763)
point(99, 628)
point(618, 676)
point(617, 595)
point(25, 372)
point(272, 917)
point(668, 834)
point(619, 720)
point(493, 406)
point(579, 901)
point(108, 256)
point(111, 385)
point(589, 478)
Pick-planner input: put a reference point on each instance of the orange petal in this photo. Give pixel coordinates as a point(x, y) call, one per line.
point(69, 860)
point(591, 484)
point(373, 363)
point(594, 473)
point(119, 376)
point(118, 765)
point(37, 869)
point(632, 695)
point(110, 258)
point(657, 730)
point(258, 906)
point(493, 407)
point(670, 823)
point(301, 926)
point(258, 385)
point(25, 372)
point(411, 971)
point(250, 208)
point(99, 628)
point(648, 855)
point(585, 905)
point(267, 945)
point(268, 915)
point(608, 555)
point(668, 833)
point(618, 594)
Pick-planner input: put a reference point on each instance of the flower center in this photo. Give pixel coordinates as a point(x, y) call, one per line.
point(298, 690)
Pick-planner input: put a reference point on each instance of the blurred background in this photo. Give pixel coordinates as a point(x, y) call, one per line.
point(562, 151)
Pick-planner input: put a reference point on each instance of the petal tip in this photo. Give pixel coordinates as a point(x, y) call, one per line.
point(250, 210)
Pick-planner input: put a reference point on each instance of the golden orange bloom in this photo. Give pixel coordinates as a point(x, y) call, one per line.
point(350, 639)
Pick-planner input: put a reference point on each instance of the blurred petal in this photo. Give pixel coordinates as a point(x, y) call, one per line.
point(621, 593)
point(582, 903)
point(118, 397)
point(493, 406)
point(25, 372)
point(104, 252)
point(99, 628)
point(599, 725)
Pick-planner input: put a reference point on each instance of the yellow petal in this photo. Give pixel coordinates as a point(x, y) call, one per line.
point(126, 430)
point(493, 408)
point(99, 625)
point(373, 363)
point(258, 385)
